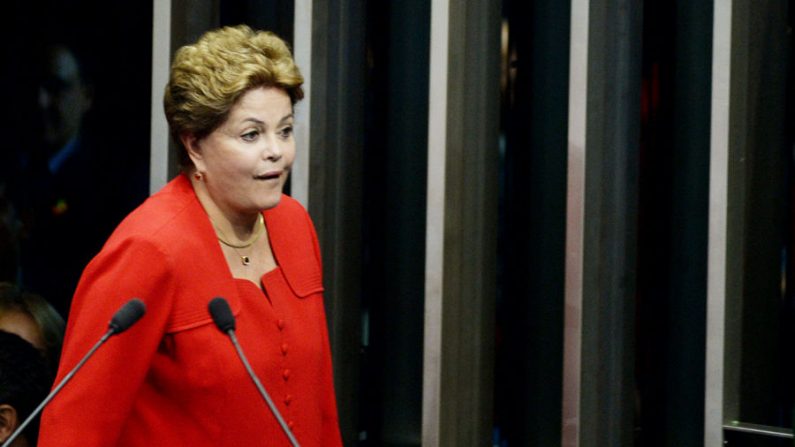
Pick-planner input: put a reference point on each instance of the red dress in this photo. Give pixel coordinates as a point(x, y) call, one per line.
point(174, 379)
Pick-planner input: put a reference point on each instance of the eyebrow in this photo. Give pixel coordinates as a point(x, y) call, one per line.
point(262, 123)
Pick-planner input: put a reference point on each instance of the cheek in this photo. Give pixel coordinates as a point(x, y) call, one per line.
point(227, 165)
point(241, 167)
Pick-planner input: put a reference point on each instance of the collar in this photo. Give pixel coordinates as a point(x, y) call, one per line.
point(292, 238)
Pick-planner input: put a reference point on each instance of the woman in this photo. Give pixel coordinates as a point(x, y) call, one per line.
point(24, 381)
point(174, 379)
point(31, 317)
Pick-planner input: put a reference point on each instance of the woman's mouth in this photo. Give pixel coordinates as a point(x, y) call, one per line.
point(270, 175)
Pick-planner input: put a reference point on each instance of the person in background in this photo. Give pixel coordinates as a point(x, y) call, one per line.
point(223, 228)
point(31, 317)
point(55, 195)
point(65, 97)
point(66, 195)
point(25, 381)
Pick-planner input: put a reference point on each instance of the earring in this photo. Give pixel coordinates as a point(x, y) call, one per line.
point(197, 176)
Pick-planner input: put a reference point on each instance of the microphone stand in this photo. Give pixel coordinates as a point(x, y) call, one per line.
point(225, 320)
point(265, 395)
point(125, 317)
point(55, 391)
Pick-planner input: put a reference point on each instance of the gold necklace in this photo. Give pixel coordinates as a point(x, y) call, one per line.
point(244, 259)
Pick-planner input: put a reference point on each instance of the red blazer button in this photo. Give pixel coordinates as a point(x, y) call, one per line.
point(284, 348)
point(286, 374)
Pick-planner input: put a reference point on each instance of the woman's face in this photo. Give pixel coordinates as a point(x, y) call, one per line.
point(22, 324)
point(246, 160)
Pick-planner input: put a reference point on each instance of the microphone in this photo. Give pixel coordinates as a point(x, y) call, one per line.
point(126, 316)
point(223, 318)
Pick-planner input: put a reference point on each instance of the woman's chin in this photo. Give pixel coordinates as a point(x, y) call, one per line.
point(269, 202)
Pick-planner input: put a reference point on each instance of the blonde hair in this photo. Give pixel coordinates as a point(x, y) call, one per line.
point(208, 77)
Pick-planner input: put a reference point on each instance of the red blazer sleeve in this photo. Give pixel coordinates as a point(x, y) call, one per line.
point(92, 408)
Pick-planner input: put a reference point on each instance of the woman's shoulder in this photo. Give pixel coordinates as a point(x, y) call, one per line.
point(289, 207)
point(290, 216)
point(168, 216)
point(165, 248)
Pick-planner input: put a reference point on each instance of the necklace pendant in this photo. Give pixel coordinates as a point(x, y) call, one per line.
point(245, 260)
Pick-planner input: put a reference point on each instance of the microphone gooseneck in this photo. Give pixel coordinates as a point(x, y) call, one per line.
point(126, 316)
point(223, 318)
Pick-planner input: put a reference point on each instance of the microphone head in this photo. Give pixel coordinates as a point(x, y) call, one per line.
point(222, 314)
point(128, 315)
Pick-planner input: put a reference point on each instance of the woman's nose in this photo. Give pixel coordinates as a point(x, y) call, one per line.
point(273, 148)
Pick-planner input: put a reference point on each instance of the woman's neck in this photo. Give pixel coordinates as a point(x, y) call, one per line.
point(230, 223)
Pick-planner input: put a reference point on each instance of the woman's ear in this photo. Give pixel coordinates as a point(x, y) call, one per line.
point(191, 144)
point(9, 421)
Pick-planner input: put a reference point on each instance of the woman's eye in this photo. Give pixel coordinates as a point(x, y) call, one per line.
point(286, 132)
point(250, 136)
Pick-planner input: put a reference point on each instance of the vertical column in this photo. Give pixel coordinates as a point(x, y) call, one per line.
point(175, 23)
point(749, 218)
point(461, 223)
point(434, 245)
point(335, 149)
point(302, 49)
point(601, 242)
point(161, 61)
point(718, 205)
point(575, 222)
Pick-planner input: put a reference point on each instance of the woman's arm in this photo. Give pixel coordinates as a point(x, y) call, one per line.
point(91, 410)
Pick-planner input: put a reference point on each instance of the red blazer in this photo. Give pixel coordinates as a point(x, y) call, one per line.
point(174, 379)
